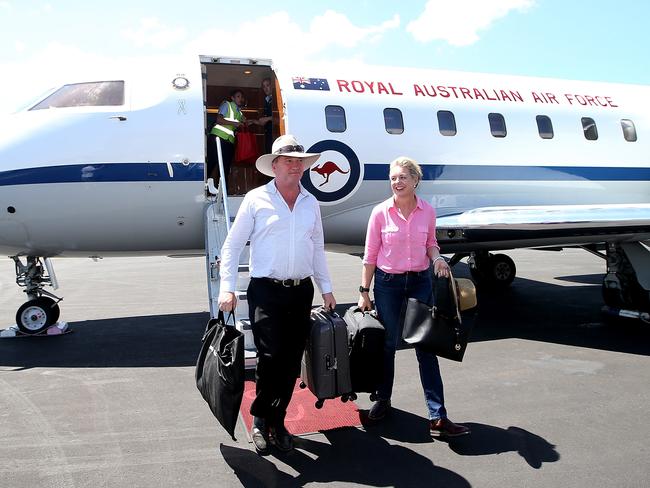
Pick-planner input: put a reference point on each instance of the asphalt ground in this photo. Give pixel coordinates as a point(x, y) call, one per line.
point(555, 395)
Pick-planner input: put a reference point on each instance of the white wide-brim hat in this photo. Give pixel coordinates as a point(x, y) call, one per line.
point(285, 145)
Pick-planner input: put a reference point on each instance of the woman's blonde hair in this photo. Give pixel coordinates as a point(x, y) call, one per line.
point(411, 165)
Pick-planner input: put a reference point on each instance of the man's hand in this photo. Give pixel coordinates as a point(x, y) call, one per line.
point(328, 301)
point(227, 301)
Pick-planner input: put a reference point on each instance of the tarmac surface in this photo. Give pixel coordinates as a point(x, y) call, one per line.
point(555, 394)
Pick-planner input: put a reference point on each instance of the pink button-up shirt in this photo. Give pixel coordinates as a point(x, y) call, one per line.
point(397, 245)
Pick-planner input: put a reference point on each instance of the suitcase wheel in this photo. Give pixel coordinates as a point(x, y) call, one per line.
point(319, 403)
point(344, 398)
point(373, 397)
point(302, 385)
point(353, 396)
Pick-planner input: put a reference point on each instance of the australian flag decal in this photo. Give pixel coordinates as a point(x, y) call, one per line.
point(301, 83)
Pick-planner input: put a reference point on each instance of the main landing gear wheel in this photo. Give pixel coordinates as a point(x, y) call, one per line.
point(497, 270)
point(37, 315)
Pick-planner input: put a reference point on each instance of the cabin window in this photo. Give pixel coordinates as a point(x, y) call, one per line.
point(393, 121)
point(629, 131)
point(335, 118)
point(589, 128)
point(497, 125)
point(446, 123)
point(100, 93)
point(544, 127)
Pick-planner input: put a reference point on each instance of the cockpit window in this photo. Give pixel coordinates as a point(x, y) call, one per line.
point(99, 93)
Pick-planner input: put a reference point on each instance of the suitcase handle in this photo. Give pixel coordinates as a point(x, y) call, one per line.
point(330, 312)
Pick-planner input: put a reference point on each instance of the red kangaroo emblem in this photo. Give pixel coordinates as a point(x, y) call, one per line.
point(327, 169)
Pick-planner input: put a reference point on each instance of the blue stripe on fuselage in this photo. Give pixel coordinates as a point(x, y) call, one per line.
point(466, 172)
point(102, 173)
point(134, 172)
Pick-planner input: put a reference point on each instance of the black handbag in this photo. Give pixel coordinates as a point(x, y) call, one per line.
point(220, 371)
point(438, 329)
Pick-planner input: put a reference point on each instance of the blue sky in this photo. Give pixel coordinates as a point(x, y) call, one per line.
point(43, 43)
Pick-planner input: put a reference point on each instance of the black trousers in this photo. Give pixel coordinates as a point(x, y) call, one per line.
point(227, 153)
point(280, 323)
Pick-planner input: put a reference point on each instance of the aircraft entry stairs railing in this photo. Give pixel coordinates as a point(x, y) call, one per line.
point(217, 226)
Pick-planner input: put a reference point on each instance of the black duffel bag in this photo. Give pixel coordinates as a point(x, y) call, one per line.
point(220, 371)
point(438, 329)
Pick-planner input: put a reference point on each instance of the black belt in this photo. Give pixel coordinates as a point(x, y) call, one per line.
point(285, 283)
point(424, 272)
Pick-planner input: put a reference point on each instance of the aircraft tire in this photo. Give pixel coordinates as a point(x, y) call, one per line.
point(502, 270)
point(37, 315)
point(497, 270)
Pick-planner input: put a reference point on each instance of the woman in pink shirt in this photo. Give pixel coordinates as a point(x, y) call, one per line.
point(400, 247)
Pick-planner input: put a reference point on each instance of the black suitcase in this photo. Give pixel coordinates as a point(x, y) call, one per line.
point(325, 367)
point(366, 335)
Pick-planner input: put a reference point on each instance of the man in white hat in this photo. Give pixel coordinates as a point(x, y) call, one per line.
point(282, 221)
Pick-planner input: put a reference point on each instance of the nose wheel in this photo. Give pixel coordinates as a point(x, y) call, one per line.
point(41, 310)
point(37, 315)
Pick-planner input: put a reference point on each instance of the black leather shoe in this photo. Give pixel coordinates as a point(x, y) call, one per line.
point(379, 410)
point(281, 438)
point(260, 434)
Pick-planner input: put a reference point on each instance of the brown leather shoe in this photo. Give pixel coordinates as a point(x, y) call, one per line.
point(446, 428)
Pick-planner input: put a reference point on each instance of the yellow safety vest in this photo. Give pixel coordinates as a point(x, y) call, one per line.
point(227, 132)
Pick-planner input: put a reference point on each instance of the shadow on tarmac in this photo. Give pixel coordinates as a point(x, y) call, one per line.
point(151, 341)
point(352, 456)
point(569, 315)
point(484, 440)
point(487, 440)
point(529, 310)
point(367, 458)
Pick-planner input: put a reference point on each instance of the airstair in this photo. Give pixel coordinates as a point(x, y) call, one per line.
point(218, 218)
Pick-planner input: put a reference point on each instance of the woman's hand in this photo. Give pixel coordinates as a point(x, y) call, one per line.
point(441, 268)
point(364, 302)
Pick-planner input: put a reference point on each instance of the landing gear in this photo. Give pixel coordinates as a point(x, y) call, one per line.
point(496, 270)
point(42, 309)
point(627, 282)
point(37, 315)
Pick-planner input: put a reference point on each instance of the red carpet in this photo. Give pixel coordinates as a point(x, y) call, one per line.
point(302, 416)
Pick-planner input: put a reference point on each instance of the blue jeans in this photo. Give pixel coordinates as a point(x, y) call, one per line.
point(391, 292)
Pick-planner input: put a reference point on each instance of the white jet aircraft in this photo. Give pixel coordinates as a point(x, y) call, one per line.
point(117, 166)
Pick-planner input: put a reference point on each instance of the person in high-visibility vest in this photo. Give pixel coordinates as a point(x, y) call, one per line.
point(229, 119)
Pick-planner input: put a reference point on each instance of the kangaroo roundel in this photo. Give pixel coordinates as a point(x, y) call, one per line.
point(337, 173)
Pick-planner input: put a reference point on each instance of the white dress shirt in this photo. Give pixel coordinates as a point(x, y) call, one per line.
point(285, 244)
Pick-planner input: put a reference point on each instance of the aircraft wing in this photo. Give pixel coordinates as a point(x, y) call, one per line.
point(493, 228)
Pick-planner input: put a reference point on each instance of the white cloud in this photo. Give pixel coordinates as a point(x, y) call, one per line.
point(278, 37)
point(152, 32)
point(459, 22)
point(345, 33)
point(42, 9)
point(19, 46)
point(5, 5)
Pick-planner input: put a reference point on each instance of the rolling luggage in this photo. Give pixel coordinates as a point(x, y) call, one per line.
point(366, 338)
point(325, 367)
